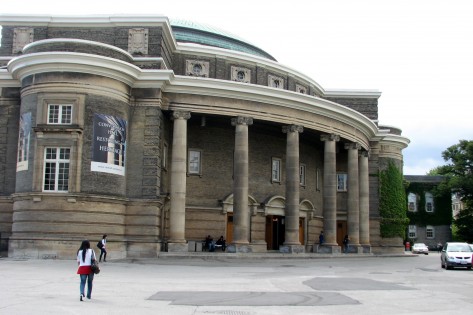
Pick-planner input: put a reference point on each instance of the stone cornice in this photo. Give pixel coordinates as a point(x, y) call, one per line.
point(29, 64)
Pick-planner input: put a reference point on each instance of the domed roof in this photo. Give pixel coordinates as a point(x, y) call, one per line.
point(191, 32)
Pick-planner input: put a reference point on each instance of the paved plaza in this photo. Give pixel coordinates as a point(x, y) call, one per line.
point(226, 285)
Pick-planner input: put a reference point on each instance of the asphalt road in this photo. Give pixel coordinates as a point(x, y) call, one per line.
point(225, 286)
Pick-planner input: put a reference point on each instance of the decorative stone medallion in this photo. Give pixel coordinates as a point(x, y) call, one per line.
point(240, 74)
point(197, 68)
point(301, 89)
point(21, 37)
point(138, 41)
point(275, 81)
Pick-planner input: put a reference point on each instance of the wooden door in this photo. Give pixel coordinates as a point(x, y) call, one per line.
point(229, 238)
point(341, 231)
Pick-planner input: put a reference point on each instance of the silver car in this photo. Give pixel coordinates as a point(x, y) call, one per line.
point(456, 255)
point(420, 248)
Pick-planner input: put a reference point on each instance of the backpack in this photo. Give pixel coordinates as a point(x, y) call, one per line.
point(99, 244)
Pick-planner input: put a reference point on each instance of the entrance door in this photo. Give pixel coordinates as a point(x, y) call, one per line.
point(301, 231)
point(274, 231)
point(229, 239)
point(341, 231)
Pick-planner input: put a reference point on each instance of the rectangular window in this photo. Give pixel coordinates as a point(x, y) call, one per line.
point(276, 170)
point(342, 182)
point(412, 231)
point(56, 169)
point(429, 231)
point(302, 174)
point(195, 162)
point(59, 114)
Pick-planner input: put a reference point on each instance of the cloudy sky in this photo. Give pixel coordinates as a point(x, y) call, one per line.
point(418, 53)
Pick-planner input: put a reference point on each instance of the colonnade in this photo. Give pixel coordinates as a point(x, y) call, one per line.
point(357, 189)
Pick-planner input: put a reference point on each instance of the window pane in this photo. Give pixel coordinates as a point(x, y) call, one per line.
point(53, 114)
point(276, 174)
point(56, 169)
point(194, 162)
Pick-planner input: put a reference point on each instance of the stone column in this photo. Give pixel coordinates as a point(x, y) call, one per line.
point(177, 218)
point(353, 202)
point(330, 195)
point(291, 236)
point(241, 214)
point(364, 202)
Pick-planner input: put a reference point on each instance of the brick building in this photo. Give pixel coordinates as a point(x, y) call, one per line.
point(159, 133)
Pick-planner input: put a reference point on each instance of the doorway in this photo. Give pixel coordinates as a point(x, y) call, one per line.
point(341, 231)
point(274, 231)
point(229, 238)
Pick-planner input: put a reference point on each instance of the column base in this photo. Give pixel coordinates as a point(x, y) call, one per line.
point(327, 249)
point(357, 249)
point(366, 249)
point(292, 249)
point(239, 248)
point(178, 247)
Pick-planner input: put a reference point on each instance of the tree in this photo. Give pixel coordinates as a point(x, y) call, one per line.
point(459, 173)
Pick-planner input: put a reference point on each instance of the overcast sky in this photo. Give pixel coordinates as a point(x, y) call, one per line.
point(419, 54)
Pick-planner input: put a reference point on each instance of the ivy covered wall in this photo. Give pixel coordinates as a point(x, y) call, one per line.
point(442, 214)
point(393, 205)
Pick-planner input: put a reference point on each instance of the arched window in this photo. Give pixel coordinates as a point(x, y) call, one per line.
point(412, 202)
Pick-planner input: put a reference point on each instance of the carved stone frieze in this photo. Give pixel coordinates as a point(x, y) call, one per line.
point(138, 41)
point(240, 74)
point(275, 81)
point(22, 36)
point(197, 68)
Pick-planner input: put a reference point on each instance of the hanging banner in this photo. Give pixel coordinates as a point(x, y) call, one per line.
point(24, 142)
point(109, 144)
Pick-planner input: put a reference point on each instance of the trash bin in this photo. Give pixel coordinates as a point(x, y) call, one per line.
point(408, 246)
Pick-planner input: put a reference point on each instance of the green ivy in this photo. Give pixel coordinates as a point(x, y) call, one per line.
point(442, 214)
point(392, 205)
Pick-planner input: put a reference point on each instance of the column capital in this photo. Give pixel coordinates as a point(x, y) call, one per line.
point(365, 153)
point(330, 137)
point(181, 114)
point(242, 120)
point(292, 128)
point(352, 146)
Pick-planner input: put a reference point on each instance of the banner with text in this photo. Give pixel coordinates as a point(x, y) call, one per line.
point(109, 144)
point(24, 142)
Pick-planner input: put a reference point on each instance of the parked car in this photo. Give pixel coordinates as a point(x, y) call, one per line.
point(471, 246)
point(456, 255)
point(420, 248)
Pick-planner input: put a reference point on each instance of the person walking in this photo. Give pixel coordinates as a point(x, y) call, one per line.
point(346, 241)
point(103, 249)
point(321, 238)
point(85, 255)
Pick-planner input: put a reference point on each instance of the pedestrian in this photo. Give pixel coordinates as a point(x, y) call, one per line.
point(209, 243)
point(85, 255)
point(346, 240)
point(321, 238)
point(103, 249)
point(439, 247)
point(222, 243)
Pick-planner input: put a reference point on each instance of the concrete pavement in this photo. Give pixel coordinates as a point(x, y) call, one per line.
point(221, 285)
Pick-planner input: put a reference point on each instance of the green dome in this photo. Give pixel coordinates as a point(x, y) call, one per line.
point(190, 32)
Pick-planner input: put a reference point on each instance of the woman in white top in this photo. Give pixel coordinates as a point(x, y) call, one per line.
point(103, 249)
point(85, 254)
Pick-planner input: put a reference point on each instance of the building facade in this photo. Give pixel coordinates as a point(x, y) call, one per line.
point(429, 211)
point(159, 133)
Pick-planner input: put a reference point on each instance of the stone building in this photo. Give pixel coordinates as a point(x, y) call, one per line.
point(159, 133)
